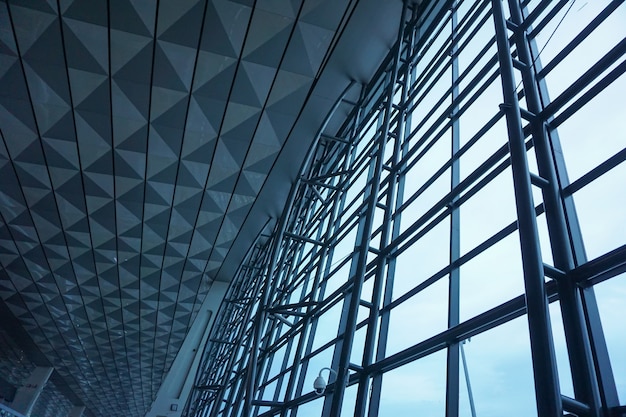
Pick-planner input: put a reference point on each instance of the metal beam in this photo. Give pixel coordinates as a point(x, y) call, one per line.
point(547, 391)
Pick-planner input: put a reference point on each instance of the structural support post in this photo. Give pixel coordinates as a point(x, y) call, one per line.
point(547, 389)
point(375, 347)
point(583, 375)
point(347, 327)
point(27, 395)
point(454, 287)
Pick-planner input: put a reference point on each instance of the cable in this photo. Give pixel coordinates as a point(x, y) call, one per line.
point(550, 37)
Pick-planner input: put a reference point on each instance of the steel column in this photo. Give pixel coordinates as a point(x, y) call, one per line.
point(454, 286)
point(547, 389)
point(583, 375)
point(341, 361)
point(326, 254)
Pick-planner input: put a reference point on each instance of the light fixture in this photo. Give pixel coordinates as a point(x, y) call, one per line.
point(319, 385)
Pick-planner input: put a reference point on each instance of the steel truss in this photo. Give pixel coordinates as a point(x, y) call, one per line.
point(327, 286)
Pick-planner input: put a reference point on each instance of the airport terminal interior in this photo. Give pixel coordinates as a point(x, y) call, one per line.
point(303, 208)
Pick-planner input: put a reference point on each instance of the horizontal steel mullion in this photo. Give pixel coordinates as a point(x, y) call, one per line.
point(579, 38)
point(317, 220)
point(585, 80)
point(497, 316)
point(365, 125)
point(353, 208)
point(604, 267)
point(585, 98)
point(336, 267)
point(428, 88)
point(422, 48)
point(343, 230)
point(447, 113)
point(322, 307)
point(595, 173)
point(280, 374)
point(421, 44)
point(471, 66)
point(369, 119)
point(347, 218)
point(420, 83)
point(479, 55)
point(478, 135)
point(539, 26)
point(483, 168)
point(480, 24)
point(436, 71)
point(469, 19)
point(494, 239)
point(320, 178)
point(359, 166)
point(538, 10)
point(304, 239)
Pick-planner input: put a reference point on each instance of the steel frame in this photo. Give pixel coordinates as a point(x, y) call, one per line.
point(333, 256)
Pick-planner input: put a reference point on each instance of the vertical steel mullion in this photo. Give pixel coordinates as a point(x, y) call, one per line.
point(352, 300)
point(307, 211)
point(583, 376)
point(323, 251)
point(602, 363)
point(381, 269)
point(236, 400)
point(546, 380)
point(454, 286)
point(306, 322)
point(334, 225)
point(325, 265)
point(239, 336)
point(310, 323)
point(273, 277)
point(287, 296)
point(220, 372)
point(400, 169)
point(263, 284)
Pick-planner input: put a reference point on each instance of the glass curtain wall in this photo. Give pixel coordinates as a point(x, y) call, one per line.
point(457, 247)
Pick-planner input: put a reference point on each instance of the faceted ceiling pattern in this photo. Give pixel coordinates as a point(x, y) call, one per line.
point(136, 135)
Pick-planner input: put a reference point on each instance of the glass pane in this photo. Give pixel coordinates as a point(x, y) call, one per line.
point(611, 296)
point(418, 318)
point(416, 389)
point(500, 371)
point(600, 208)
point(492, 278)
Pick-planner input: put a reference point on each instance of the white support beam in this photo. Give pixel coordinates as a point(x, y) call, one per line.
point(176, 387)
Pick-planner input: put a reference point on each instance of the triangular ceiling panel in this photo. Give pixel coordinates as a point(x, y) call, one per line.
point(269, 36)
point(84, 43)
point(166, 73)
point(132, 17)
point(31, 22)
point(136, 138)
point(183, 17)
point(79, 11)
point(228, 25)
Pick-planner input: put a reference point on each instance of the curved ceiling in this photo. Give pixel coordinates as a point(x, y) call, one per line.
point(145, 144)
